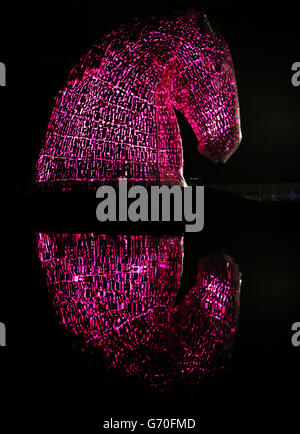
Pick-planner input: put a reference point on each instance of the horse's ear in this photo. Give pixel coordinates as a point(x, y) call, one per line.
point(192, 14)
point(205, 25)
point(211, 28)
point(200, 20)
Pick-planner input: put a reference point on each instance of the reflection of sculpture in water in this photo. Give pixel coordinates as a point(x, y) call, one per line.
point(115, 117)
point(119, 292)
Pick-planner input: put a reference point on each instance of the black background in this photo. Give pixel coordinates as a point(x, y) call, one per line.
point(44, 383)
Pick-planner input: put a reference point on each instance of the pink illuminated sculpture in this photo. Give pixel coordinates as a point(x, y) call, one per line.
point(115, 117)
point(118, 297)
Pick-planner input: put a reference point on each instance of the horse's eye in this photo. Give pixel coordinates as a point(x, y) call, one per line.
point(218, 67)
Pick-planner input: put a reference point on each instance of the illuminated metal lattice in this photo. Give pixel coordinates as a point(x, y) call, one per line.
point(118, 296)
point(115, 118)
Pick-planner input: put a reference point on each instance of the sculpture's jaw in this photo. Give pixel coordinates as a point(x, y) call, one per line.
point(217, 156)
point(220, 150)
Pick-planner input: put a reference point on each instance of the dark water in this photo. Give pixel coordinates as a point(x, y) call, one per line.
point(193, 342)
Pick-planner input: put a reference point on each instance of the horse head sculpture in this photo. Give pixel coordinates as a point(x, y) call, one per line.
point(115, 118)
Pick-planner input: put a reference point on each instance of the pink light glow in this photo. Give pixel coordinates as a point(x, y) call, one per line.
point(115, 116)
point(118, 294)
